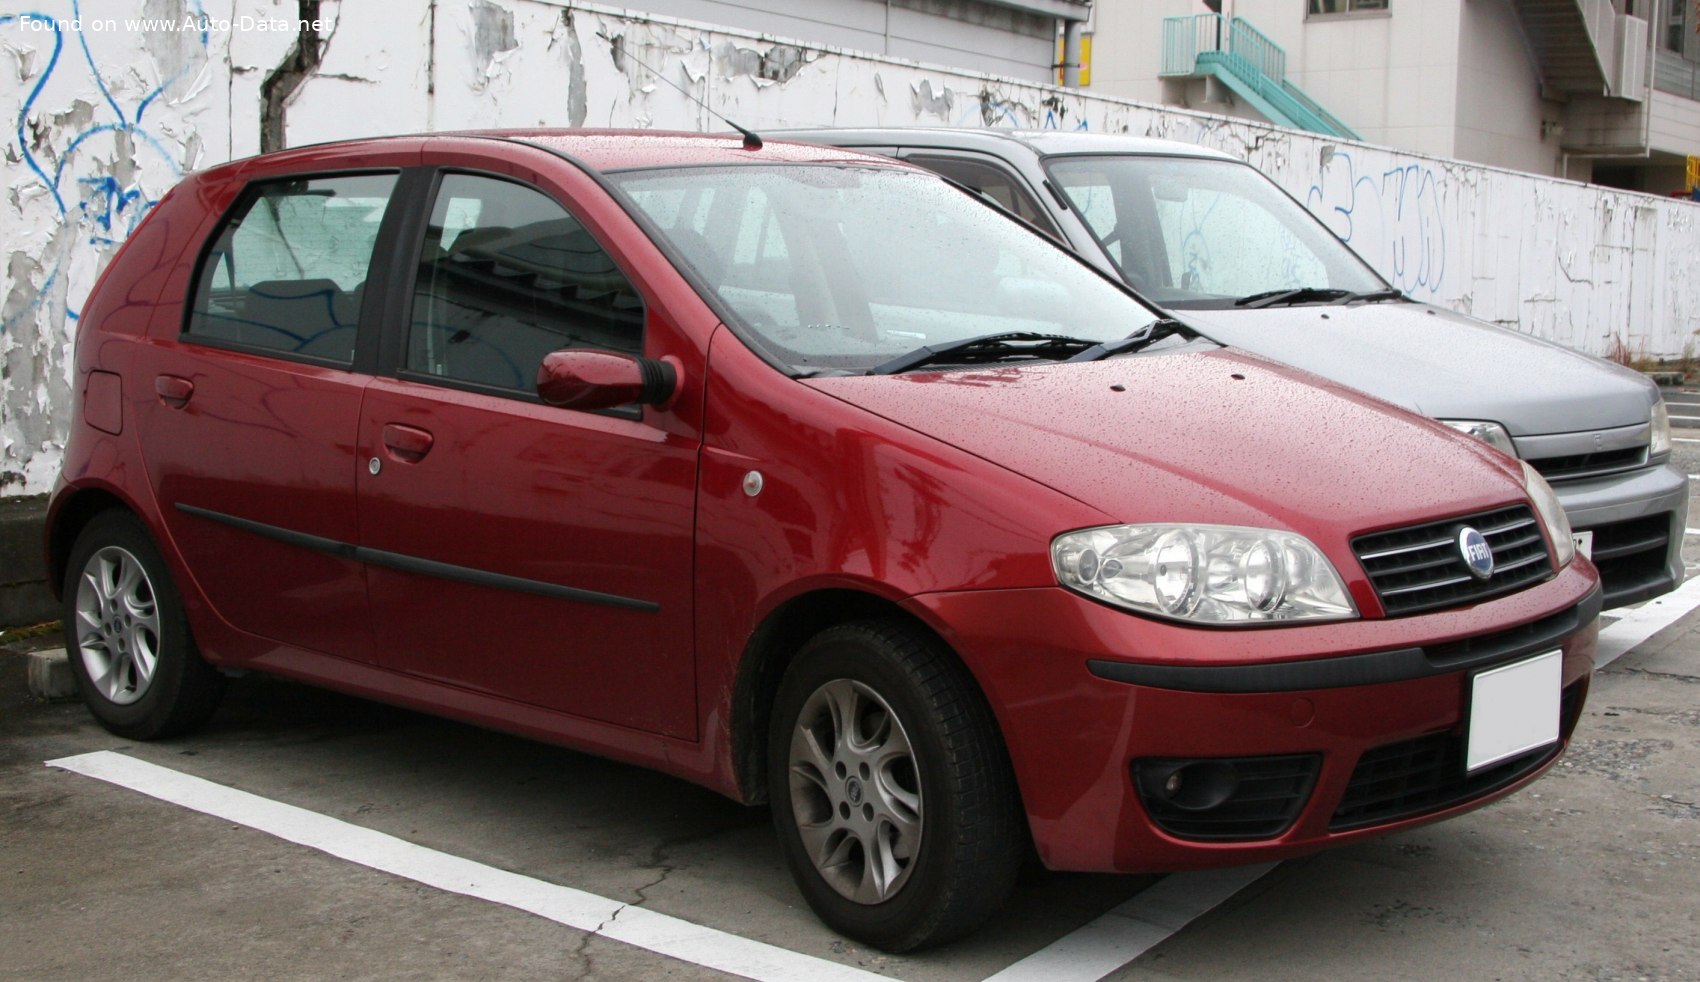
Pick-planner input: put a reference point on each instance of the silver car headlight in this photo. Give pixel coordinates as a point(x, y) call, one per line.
point(1492, 434)
point(1552, 514)
point(1661, 430)
point(1214, 574)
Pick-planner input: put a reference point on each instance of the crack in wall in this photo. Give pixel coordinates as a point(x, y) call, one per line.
point(298, 65)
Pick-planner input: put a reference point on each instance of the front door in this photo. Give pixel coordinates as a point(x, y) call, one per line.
point(517, 549)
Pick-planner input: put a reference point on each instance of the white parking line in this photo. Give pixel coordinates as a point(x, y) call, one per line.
point(1133, 928)
point(588, 912)
point(1635, 626)
point(1684, 439)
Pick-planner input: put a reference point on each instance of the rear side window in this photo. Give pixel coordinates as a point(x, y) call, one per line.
point(993, 182)
point(288, 271)
point(507, 276)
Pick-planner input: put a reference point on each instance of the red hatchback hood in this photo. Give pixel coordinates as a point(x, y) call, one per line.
point(1217, 437)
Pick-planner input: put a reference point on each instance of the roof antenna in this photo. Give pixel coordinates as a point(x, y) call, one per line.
point(751, 140)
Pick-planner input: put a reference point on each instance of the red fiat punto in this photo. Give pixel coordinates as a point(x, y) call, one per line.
point(796, 473)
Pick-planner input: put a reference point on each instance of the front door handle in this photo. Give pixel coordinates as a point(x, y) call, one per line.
point(174, 391)
point(406, 443)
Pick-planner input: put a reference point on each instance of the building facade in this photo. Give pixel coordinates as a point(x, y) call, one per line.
point(1605, 90)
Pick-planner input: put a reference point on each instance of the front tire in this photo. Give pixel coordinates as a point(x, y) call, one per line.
point(127, 638)
point(891, 792)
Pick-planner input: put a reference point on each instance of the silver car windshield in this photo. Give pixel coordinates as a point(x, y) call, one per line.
point(844, 268)
point(1194, 233)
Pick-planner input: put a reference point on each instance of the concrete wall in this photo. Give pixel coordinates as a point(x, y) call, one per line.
point(963, 33)
point(110, 118)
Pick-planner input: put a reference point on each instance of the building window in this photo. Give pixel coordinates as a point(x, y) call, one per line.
point(1682, 19)
point(1346, 6)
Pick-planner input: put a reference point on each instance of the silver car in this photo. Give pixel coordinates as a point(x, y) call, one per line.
point(1215, 243)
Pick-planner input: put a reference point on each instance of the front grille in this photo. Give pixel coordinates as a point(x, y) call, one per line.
point(1421, 568)
point(1574, 466)
point(1631, 558)
point(1405, 780)
point(1266, 799)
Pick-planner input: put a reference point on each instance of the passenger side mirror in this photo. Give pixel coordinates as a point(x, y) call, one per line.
point(578, 378)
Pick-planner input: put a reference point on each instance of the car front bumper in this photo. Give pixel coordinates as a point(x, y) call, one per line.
point(1638, 520)
point(1086, 695)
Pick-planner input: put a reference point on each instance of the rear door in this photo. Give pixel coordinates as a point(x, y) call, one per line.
point(249, 430)
point(521, 550)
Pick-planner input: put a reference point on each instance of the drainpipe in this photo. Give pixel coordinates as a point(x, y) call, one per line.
point(1071, 52)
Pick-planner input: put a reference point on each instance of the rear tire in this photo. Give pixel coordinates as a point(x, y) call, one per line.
point(891, 792)
point(126, 636)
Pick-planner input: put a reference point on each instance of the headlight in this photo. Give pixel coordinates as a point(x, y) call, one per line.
point(1492, 434)
point(1551, 512)
point(1661, 429)
point(1215, 574)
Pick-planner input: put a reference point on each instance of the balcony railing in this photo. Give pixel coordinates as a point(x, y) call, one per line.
point(1249, 63)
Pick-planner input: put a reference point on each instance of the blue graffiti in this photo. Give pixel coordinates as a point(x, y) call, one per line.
point(992, 111)
point(1394, 219)
point(1052, 123)
point(103, 208)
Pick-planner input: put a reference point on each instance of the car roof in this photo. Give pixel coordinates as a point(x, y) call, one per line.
point(601, 150)
point(1042, 142)
point(619, 149)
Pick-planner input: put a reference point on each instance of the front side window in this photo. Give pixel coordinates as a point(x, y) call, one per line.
point(506, 276)
point(288, 271)
point(1189, 232)
point(829, 267)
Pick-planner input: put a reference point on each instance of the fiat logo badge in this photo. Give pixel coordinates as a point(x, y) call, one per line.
point(1478, 555)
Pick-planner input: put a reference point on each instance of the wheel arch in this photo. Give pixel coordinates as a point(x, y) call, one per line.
point(71, 513)
point(771, 648)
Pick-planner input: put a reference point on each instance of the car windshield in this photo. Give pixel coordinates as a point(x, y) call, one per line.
point(1188, 232)
point(846, 268)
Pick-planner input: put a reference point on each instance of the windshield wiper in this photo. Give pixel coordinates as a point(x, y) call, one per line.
point(1157, 331)
point(1314, 294)
point(1376, 297)
point(1306, 294)
point(986, 348)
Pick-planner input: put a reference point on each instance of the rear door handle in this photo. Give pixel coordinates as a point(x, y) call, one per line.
point(406, 443)
point(174, 391)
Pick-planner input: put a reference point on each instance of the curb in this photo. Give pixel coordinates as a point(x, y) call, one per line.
point(50, 677)
point(24, 597)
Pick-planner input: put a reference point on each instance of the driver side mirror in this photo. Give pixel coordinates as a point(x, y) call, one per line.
point(580, 378)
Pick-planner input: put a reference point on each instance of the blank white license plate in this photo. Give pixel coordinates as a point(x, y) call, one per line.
point(1514, 709)
point(1584, 543)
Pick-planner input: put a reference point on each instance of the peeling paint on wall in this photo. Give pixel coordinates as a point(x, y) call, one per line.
point(107, 120)
point(492, 40)
point(576, 86)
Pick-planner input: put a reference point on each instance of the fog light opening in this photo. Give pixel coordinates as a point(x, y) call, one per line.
point(1201, 785)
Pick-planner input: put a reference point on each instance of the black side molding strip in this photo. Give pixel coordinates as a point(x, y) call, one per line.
point(1373, 668)
point(426, 567)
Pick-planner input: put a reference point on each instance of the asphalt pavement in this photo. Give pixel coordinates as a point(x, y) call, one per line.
point(308, 835)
